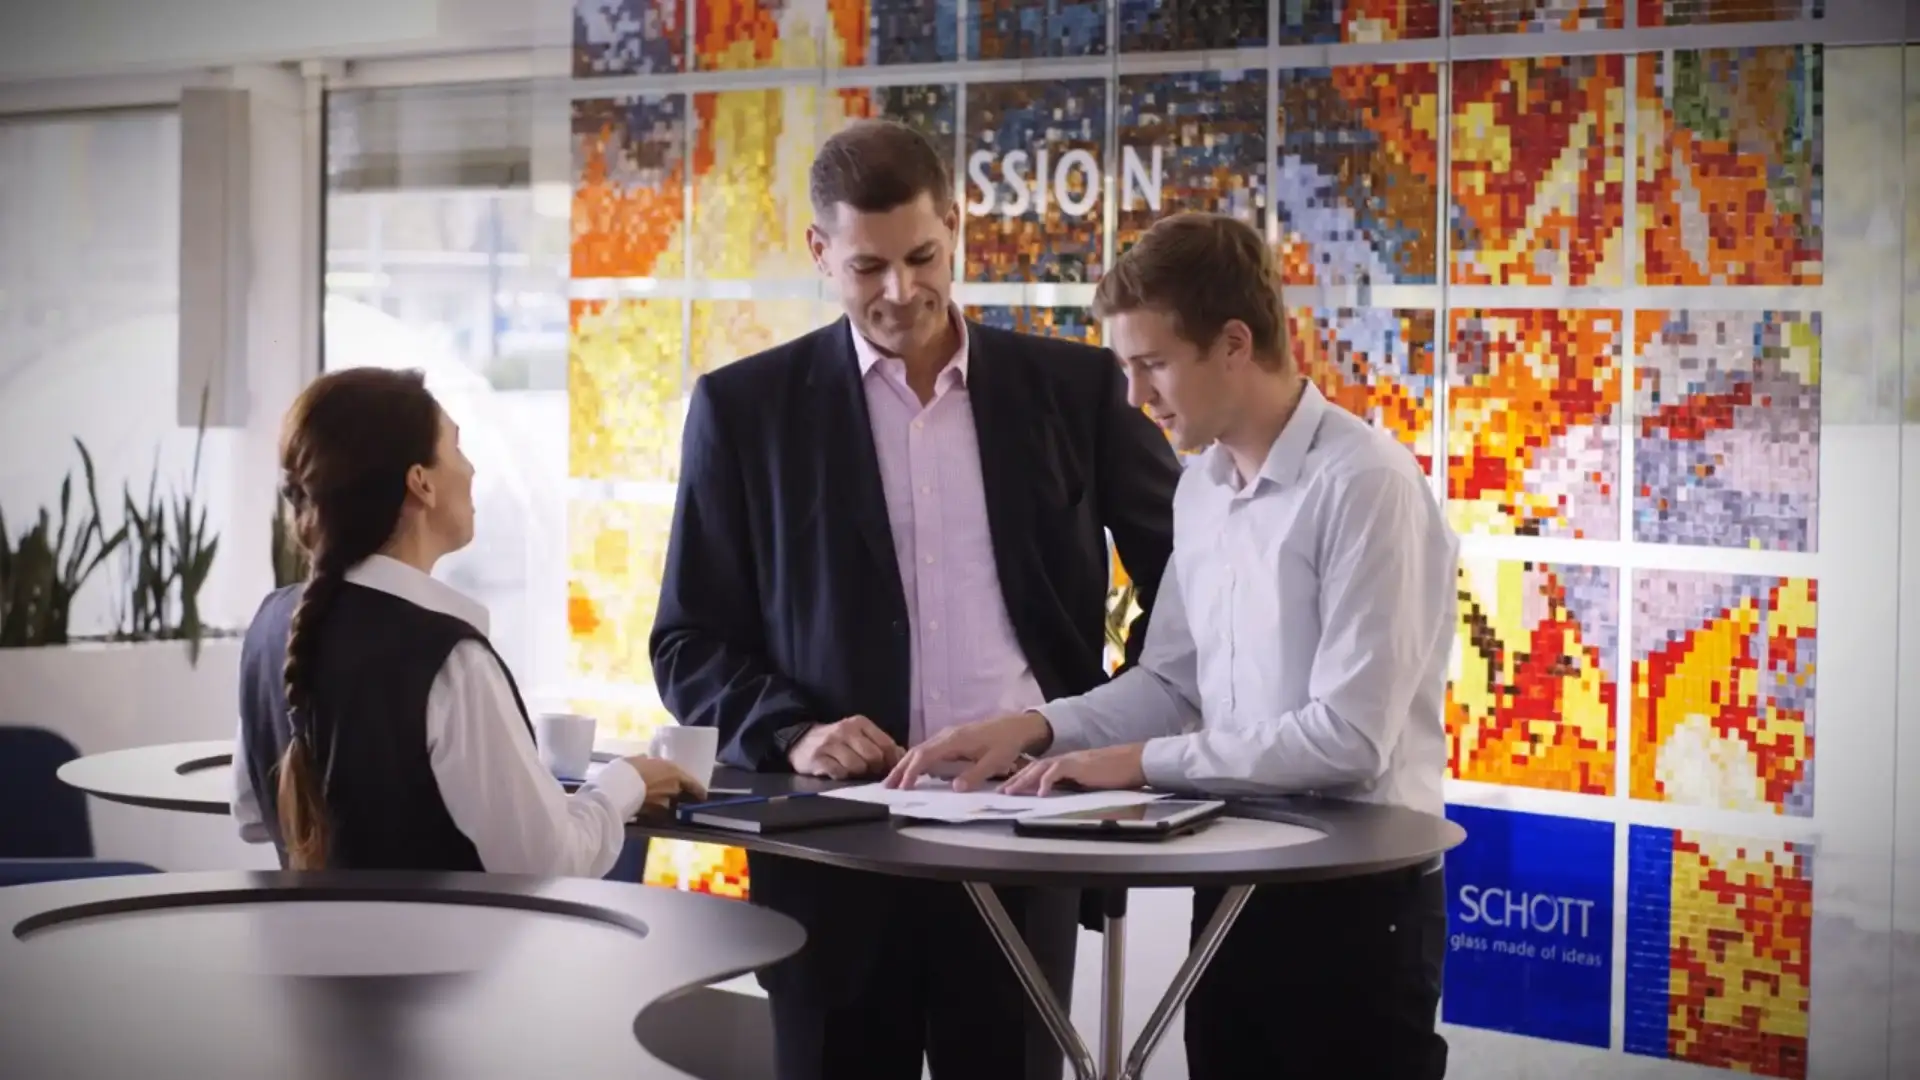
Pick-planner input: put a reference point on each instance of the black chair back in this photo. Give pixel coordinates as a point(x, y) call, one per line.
point(40, 817)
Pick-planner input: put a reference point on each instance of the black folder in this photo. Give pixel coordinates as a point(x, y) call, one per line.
point(781, 813)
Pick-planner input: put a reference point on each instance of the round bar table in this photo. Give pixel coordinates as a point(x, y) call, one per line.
point(232, 975)
point(191, 777)
point(1270, 842)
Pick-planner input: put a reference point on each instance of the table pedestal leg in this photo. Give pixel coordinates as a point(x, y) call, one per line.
point(1113, 980)
point(1185, 980)
point(1059, 1022)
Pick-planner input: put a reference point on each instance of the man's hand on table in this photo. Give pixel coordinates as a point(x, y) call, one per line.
point(1105, 769)
point(986, 749)
point(854, 747)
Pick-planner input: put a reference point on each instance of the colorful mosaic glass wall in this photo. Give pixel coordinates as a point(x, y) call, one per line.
point(1580, 283)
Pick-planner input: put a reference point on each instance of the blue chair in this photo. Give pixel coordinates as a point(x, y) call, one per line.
point(30, 871)
point(40, 817)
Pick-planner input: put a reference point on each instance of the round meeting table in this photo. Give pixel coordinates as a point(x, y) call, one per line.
point(232, 975)
point(189, 777)
point(709, 1031)
point(1269, 842)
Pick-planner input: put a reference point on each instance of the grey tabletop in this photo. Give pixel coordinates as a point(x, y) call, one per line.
point(1355, 839)
point(190, 777)
point(423, 976)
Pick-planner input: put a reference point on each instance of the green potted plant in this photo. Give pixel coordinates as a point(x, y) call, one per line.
point(169, 556)
point(43, 572)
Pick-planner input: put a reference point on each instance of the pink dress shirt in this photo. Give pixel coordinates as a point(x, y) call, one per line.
point(967, 664)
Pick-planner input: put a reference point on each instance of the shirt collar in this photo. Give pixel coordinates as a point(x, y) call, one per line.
point(868, 356)
point(395, 578)
point(1289, 453)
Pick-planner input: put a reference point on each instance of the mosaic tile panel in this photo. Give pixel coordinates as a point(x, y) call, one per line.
point(1074, 323)
point(702, 868)
point(929, 109)
point(1358, 180)
point(1538, 165)
point(1535, 676)
point(615, 554)
point(1029, 29)
point(1730, 167)
point(1719, 950)
point(743, 35)
point(1191, 141)
point(629, 37)
point(1727, 429)
point(723, 331)
point(1351, 22)
point(874, 32)
point(1033, 180)
point(1536, 16)
point(629, 177)
point(1376, 363)
point(1723, 691)
point(1698, 12)
point(623, 390)
point(751, 153)
point(1533, 434)
point(1188, 25)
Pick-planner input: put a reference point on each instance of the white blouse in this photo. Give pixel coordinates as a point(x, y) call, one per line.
point(518, 817)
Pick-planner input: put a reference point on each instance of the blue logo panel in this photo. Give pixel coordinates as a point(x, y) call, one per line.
point(1530, 925)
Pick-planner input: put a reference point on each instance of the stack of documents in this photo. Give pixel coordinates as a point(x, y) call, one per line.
point(934, 799)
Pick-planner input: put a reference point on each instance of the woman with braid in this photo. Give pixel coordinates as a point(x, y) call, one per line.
point(378, 728)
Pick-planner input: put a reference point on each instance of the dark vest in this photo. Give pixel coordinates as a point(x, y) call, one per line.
point(376, 662)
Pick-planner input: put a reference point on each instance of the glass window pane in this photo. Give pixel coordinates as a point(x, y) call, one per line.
point(89, 292)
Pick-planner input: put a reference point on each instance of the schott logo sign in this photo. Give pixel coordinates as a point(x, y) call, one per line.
point(1038, 180)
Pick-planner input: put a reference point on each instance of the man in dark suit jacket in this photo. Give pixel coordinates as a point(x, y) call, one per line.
point(889, 526)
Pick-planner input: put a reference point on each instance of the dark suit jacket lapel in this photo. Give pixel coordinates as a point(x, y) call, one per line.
point(845, 432)
point(1004, 414)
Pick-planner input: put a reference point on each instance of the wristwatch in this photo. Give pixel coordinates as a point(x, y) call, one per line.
point(784, 738)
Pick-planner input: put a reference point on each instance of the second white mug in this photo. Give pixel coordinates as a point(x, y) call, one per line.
point(694, 749)
point(565, 743)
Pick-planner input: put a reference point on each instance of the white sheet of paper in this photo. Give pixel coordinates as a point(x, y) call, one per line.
point(935, 800)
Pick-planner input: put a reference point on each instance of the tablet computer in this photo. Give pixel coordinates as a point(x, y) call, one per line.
point(1145, 821)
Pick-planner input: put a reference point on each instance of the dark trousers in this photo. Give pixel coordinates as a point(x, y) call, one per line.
point(1335, 981)
point(942, 992)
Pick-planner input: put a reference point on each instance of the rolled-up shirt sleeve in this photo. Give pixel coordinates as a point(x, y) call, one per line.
point(1159, 696)
point(518, 817)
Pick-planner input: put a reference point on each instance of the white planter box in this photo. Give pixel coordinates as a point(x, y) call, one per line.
point(116, 696)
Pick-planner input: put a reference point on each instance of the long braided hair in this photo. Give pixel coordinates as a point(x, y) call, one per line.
point(346, 448)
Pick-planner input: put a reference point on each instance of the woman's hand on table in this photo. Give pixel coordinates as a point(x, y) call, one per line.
point(666, 782)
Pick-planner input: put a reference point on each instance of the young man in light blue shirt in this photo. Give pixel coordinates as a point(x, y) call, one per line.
point(1300, 644)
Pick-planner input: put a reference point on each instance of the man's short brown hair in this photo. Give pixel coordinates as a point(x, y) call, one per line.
point(1202, 270)
point(875, 166)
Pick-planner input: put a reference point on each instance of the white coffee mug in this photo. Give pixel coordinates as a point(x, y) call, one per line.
point(692, 748)
point(565, 741)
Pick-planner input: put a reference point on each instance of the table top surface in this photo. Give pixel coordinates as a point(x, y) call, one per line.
point(1358, 839)
point(189, 777)
point(429, 976)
